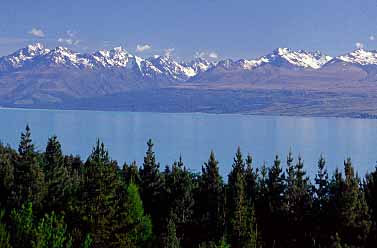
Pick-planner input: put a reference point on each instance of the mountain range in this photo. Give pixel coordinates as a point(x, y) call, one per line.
point(36, 76)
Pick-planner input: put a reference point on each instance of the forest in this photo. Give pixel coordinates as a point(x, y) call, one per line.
point(53, 200)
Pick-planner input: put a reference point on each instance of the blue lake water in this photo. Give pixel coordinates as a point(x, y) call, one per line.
point(194, 135)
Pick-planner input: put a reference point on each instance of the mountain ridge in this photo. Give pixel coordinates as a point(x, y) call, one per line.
point(39, 76)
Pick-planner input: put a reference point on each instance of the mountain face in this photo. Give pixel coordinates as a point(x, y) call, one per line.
point(36, 74)
point(263, 68)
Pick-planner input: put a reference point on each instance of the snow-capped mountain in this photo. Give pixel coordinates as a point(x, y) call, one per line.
point(36, 72)
point(61, 56)
point(199, 65)
point(243, 70)
point(20, 57)
point(360, 57)
point(301, 58)
point(163, 68)
point(287, 57)
point(116, 57)
point(173, 70)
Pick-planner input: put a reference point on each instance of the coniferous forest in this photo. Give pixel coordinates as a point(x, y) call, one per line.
point(49, 199)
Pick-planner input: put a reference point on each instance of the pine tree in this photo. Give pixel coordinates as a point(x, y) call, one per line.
point(210, 212)
point(151, 188)
point(237, 204)
point(134, 228)
point(276, 186)
point(351, 210)
point(29, 179)
point(98, 201)
point(275, 217)
point(131, 173)
point(302, 206)
point(26, 146)
point(251, 176)
point(179, 186)
point(58, 179)
point(320, 214)
point(290, 182)
point(51, 231)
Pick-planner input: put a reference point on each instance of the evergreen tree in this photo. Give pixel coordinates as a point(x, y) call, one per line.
point(179, 186)
point(131, 173)
point(51, 232)
point(370, 187)
point(251, 176)
point(29, 179)
point(301, 207)
point(4, 233)
point(151, 188)
point(262, 211)
point(98, 201)
point(58, 179)
point(210, 212)
point(275, 218)
point(237, 204)
point(22, 226)
point(134, 228)
point(26, 146)
point(351, 210)
point(321, 216)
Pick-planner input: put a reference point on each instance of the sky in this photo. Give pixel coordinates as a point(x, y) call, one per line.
point(187, 28)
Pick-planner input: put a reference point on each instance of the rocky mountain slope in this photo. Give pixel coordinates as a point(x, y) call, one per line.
point(38, 76)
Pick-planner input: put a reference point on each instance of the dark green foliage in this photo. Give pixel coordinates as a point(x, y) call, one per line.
point(370, 186)
point(29, 179)
point(7, 156)
point(131, 173)
point(211, 212)
point(97, 205)
point(251, 177)
point(4, 232)
point(322, 220)
point(298, 204)
point(274, 212)
point(151, 188)
point(241, 224)
point(179, 192)
point(52, 200)
point(58, 178)
point(87, 241)
point(350, 208)
point(171, 240)
point(134, 228)
point(26, 147)
point(22, 226)
point(51, 232)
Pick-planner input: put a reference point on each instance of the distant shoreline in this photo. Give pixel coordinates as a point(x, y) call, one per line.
point(361, 116)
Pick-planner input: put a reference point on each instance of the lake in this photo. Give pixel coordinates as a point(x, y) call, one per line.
point(193, 135)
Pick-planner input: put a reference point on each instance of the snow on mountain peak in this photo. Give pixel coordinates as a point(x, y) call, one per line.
point(116, 57)
point(361, 57)
point(35, 48)
point(300, 58)
point(199, 65)
point(64, 56)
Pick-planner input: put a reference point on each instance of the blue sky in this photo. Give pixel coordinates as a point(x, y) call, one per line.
point(234, 29)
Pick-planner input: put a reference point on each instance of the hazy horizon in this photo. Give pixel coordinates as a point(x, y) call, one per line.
point(186, 29)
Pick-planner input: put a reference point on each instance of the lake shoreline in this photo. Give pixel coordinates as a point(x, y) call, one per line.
point(355, 116)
